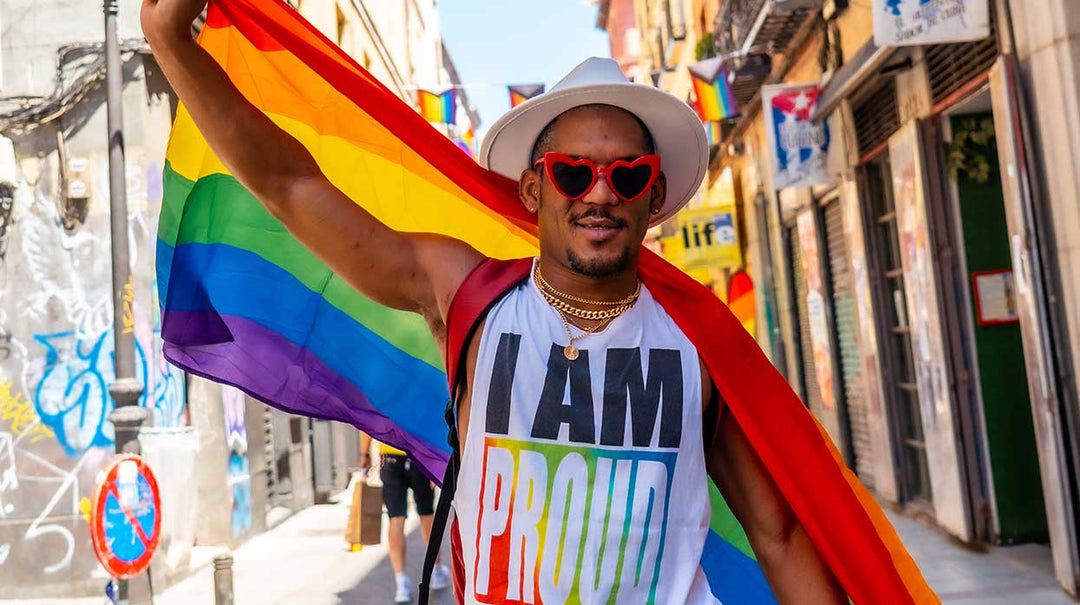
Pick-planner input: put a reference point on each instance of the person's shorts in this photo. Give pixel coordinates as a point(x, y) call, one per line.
point(398, 477)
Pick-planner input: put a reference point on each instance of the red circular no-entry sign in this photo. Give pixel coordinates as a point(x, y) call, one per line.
point(125, 517)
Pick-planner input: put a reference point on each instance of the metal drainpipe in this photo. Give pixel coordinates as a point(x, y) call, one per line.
point(126, 416)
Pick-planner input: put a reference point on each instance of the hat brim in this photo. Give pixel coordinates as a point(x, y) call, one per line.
point(675, 127)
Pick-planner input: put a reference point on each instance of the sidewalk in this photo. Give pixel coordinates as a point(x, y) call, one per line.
point(304, 561)
point(1010, 575)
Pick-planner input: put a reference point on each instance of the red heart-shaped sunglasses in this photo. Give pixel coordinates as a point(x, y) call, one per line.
point(574, 178)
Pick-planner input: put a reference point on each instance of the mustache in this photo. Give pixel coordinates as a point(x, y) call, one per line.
point(599, 213)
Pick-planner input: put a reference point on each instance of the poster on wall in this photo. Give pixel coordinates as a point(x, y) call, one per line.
point(709, 238)
point(798, 148)
point(917, 22)
point(815, 310)
point(995, 297)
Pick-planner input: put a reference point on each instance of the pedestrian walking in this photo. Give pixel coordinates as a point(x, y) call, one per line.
point(399, 476)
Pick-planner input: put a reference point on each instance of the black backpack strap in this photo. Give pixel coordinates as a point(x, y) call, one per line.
point(486, 285)
point(442, 511)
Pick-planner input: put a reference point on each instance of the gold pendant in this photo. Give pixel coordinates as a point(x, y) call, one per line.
point(571, 352)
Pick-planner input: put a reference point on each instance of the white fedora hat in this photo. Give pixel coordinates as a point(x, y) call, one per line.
point(675, 128)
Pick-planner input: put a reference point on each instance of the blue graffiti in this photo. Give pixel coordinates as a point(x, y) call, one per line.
point(168, 387)
point(72, 397)
point(240, 479)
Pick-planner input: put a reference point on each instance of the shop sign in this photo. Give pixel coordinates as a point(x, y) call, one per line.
point(918, 22)
point(709, 238)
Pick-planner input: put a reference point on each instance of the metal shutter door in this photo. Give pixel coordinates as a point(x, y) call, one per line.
point(813, 393)
point(847, 334)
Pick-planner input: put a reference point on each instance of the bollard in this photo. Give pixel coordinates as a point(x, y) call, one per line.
point(223, 589)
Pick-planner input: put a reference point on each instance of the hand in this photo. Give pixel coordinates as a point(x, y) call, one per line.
point(169, 18)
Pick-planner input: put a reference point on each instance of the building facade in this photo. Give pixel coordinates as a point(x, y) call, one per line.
point(923, 298)
point(228, 466)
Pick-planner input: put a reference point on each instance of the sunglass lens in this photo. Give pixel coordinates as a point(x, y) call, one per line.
point(631, 182)
point(573, 181)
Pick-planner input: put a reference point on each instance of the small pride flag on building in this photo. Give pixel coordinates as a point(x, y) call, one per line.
point(713, 133)
point(467, 142)
point(712, 87)
point(520, 93)
point(437, 107)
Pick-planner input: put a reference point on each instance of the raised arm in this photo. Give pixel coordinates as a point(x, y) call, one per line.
point(412, 272)
point(791, 564)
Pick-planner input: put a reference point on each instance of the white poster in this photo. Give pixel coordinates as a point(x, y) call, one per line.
point(916, 22)
point(815, 311)
point(799, 148)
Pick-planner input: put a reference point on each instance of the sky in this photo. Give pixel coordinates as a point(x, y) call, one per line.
point(516, 42)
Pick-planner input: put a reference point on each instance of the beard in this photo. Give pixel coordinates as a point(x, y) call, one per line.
point(598, 268)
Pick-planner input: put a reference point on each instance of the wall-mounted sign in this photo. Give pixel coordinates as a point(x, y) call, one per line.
point(918, 22)
point(709, 238)
point(995, 297)
point(799, 148)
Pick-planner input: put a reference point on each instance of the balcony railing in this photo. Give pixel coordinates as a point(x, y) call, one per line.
point(745, 27)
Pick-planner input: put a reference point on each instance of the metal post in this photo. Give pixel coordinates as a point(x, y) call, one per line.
point(125, 390)
point(126, 416)
point(223, 588)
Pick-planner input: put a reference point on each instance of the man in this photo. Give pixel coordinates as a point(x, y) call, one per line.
point(399, 476)
point(598, 161)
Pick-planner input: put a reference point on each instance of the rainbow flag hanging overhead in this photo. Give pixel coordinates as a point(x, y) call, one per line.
point(441, 108)
point(712, 87)
point(245, 304)
point(467, 142)
point(519, 93)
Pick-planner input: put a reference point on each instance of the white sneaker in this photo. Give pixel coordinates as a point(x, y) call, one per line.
point(440, 577)
point(404, 589)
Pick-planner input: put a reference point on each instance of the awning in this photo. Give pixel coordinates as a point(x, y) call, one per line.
point(855, 71)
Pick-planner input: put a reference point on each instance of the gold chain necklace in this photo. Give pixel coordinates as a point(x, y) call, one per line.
point(570, 351)
point(597, 315)
point(604, 317)
point(549, 289)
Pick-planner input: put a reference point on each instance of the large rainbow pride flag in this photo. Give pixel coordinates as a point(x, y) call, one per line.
point(245, 304)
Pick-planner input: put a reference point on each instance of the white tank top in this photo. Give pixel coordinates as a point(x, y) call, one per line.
point(583, 481)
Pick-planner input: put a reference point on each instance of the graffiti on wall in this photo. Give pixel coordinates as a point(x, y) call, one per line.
point(72, 397)
point(56, 364)
point(237, 473)
point(238, 476)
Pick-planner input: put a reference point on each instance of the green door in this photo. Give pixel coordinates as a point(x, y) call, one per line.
point(999, 347)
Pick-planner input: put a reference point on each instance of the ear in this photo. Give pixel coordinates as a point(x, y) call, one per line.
point(659, 194)
point(529, 189)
